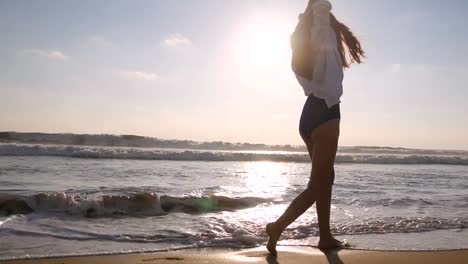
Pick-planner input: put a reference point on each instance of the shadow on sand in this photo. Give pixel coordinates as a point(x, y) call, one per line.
point(271, 259)
point(331, 255)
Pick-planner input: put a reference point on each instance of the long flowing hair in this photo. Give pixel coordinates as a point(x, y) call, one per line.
point(349, 46)
point(347, 41)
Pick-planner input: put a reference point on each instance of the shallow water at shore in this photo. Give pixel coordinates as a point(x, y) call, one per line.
point(109, 205)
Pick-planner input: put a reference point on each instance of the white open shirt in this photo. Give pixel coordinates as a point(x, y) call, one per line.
point(328, 74)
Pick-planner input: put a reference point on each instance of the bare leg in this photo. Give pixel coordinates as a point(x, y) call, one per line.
point(298, 206)
point(322, 178)
point(323, 156)
point(302, 202)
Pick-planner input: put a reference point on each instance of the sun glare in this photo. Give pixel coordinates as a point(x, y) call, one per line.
point(264, 43)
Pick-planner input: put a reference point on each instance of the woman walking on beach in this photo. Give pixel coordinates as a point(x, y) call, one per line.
point(318, 60)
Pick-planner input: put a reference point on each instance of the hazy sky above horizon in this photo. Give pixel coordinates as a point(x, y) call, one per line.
point(220, 70)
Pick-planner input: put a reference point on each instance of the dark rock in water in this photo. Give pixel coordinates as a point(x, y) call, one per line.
point(12, 207)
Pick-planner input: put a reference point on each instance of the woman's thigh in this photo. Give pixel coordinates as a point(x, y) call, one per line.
point(325, 138)
point(309, 142)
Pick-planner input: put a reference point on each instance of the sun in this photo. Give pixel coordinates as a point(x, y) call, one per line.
point(264, 43)
point(263, 46)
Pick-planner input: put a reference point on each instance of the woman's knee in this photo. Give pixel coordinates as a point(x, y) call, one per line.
point(322, 180)
point(320, 186)
point(323, 174)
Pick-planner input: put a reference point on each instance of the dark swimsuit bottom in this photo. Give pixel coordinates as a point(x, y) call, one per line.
point(315, 113)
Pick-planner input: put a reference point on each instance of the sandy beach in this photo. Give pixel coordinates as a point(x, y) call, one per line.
point(287, 255)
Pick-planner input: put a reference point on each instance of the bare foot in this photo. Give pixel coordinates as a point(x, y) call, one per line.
point(273, 235)
point(332, 243)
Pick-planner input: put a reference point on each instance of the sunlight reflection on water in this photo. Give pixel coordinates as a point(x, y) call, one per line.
point(259, 179)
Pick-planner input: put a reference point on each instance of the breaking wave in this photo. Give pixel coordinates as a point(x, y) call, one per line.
point(137, 204)
point(95, 152)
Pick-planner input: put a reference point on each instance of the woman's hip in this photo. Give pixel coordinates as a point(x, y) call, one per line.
point(316, 113)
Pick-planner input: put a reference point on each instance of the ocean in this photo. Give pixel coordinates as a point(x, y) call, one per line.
point(78, 200)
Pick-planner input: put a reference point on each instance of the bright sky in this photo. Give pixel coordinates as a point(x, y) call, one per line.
point(220, 70)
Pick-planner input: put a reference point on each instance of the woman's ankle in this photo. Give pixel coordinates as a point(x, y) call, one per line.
point(280, 226)
point(276, 226)
point(326, 236)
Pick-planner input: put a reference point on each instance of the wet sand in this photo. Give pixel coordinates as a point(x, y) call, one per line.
point(286, 255)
